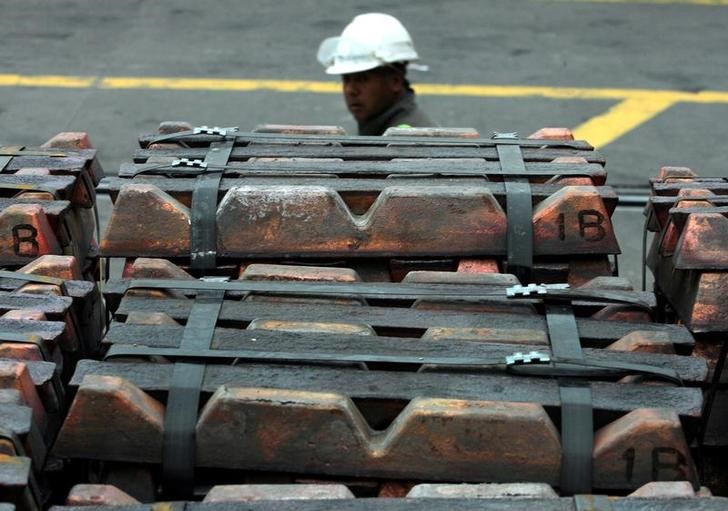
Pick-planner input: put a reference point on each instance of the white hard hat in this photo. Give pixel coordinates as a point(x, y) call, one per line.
point(370, 40)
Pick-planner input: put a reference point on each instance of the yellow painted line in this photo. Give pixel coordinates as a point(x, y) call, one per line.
point(620, 119)
point(218, 84)
point(332, 87)
point(648, 2)
point(75, 82)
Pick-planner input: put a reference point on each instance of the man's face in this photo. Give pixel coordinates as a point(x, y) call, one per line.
point(369, 93)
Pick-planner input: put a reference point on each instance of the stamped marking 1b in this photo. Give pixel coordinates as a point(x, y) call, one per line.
point(25, 240)
point(590, 225)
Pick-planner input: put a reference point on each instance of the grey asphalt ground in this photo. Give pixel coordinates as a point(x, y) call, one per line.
point(496, 42)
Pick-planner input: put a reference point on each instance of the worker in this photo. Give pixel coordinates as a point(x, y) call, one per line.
point(372, 56)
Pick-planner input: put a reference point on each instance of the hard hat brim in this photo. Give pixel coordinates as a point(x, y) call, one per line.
point(348, 68)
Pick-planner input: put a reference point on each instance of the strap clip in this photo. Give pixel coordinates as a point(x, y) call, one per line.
point(532, 357)
point(504, 136)
point(215, 130)
point(186, 162)
point(541, 289)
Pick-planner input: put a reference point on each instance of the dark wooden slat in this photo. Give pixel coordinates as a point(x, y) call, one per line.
point(60, 186)
point(611, 397)
point(461, 167)
point(242, 138)
point(65, 165)
point(598, 333)
point(368, 153)
point(688, 368)
point(55, 305)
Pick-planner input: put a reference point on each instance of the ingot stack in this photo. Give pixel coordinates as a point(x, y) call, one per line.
point(50, 306)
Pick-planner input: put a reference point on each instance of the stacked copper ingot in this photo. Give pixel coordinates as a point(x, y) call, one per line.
point(49, 319)
point(320, 497)
point(48, 201)
point(382, 205)
point(313, 375)
point(51, 311)
point(688, 258)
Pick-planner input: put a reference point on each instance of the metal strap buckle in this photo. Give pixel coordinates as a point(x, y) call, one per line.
point(215, 130)
point(186, 162)
point(532, 357)
point(215, 279)
point(540, 289)
point(504, 136)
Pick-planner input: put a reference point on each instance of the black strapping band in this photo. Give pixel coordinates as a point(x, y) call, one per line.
point(519, 211)
point(577, 437)
point(204, 208)
point(183, 401)
point(577, 417)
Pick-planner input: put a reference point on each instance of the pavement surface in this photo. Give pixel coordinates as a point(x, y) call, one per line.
point(646, 81)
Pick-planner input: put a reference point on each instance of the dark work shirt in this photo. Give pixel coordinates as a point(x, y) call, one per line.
point(405, 111)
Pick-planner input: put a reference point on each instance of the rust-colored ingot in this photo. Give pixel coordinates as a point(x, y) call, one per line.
point(69, 140)
point(281, 272)
point(298, 273)
point(27, 314)
point(169, 127)
point(488, 335)
point(41, 289)
point(570, 159)
point(574, 221)
point(608, 283)
point(483, 491)
point(146, 221)
point(394, 489)
point(666, 490)
point(59, 266)
point(703, 243)
point(645, 445)
point(314, 219)
point(583, 270)
point(25, 232)
point(436, 132)
point(644, 341)
point(150, 318)
point(700, 300)
point(478, 266)
point(673, 231)
point(432, 438)
point(669, 172)
point(99, 495)
point(299, 129)
point(15, 375)
point(552, 134)
point(449, 277)
point(17, 351)
point(35, 196)
point(572, 181)
point(311, 327)
point(110, 411)
point(145, 268)
point(624, 313)
point(255, 492)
